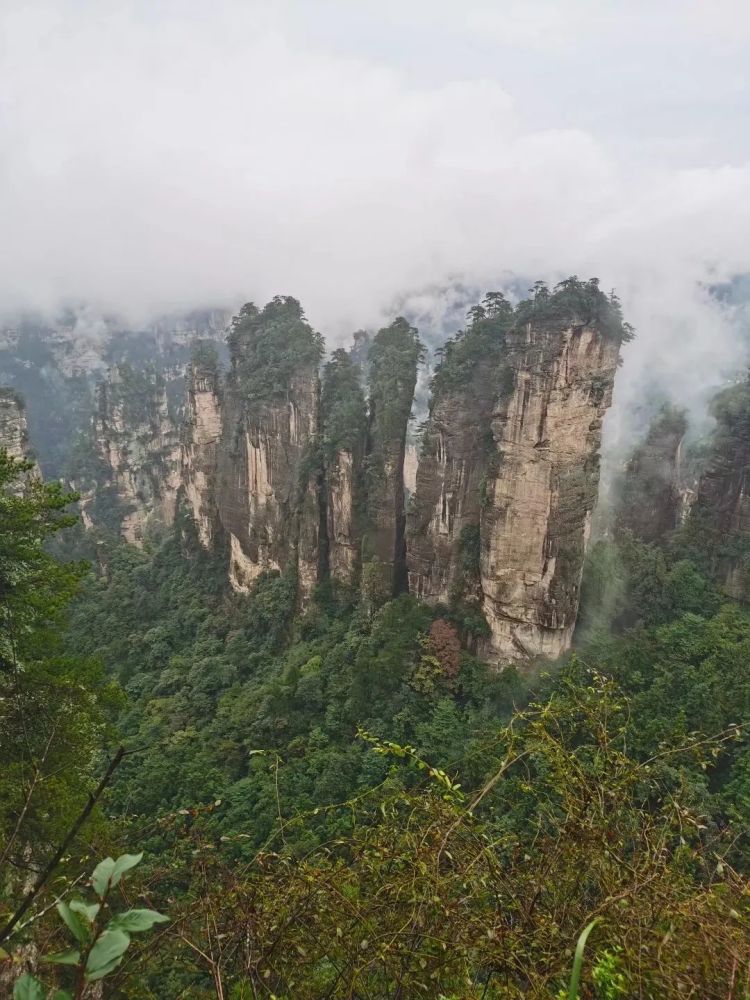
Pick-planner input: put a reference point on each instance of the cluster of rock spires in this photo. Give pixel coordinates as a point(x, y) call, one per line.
point(299, 469)
point(285, 464)
point(281, 462)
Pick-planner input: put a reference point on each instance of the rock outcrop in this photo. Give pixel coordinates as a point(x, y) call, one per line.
point(344, 436)
point(139, 458)
point(14, 437)
point(269, 468)
point(539, 501)
point(304, 476)
point(56, 364)
point(201, 440)
point(456, 450)
point(509, 473)
point(650, 495)
point(393, 360)
point(717, 528)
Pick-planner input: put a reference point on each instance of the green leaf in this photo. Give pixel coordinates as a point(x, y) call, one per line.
point(109, 946)
point(89, 911)
point(70, 957)
point(79, 931)
point(123, 864)
point(103, 971)
point(101, 876)
point(28, 988)
point(3, 954)
point(137, 920)
point(62, 995)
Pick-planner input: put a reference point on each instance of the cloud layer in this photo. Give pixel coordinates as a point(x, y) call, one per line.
point(158, 156)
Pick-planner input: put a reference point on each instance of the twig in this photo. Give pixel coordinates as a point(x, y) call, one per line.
point(55, 859)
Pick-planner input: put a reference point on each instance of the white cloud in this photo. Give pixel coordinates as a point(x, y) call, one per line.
point(169, 154)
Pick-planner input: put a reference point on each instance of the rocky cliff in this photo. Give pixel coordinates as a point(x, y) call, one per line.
point(56, 363)
point(650, 496)
point(510, 469)
point(393, 359)
point(717, 528)
point(299, 471)
point(456, 449)
point(14, 437)
point(344, 438)
point(269, 464)
point(201, 440)
point(299, 474)
point(137, 445)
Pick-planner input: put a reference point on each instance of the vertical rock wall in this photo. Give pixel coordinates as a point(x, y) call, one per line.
point(14, 436)
point(344, 433)
point(542, 485)
point(444, 514)
point(509, 470)
point(262, 483)
point(269, 468)
point(200, 449)
point(138, 447)
point(393, 360)
point(649, 497)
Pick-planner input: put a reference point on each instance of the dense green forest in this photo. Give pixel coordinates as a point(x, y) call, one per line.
point(344, 804)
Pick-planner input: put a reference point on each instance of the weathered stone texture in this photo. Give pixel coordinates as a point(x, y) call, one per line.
point(507, 482)
point(138, 446)
point(539, 501)
point(200, 450)
point(265, 488)
point(652, 493)
point(14, 436)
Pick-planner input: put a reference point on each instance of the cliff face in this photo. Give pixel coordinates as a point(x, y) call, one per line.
point(14, 436)
point(457, 442)
point(138, 450)
point(509, 471)
point(269, 465)
point(717, 527)
point(543, 485)
point(393, 359)
point(650, 496)
point(344, 425)
point(56, 363)
point(200, 448)
point(305, 476)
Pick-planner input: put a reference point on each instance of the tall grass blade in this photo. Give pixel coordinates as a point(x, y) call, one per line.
point(575, 975)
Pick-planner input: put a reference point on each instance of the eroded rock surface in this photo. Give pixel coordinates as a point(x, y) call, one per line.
point(138, 447)
point(509, 470)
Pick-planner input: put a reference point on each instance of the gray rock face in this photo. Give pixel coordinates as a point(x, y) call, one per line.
point(14, 435)
point(393, 358)
point(651, 496)
point(543, 486)
point(138, 447)
point(269, 469)
point(200, 449)
point(508, 473)
point(267, 501)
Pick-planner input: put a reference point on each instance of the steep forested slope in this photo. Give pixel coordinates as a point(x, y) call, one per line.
point(337, 794)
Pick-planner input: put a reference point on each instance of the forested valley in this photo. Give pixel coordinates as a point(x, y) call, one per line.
point(321, 730)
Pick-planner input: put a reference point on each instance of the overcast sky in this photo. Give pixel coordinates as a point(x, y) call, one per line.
point(157, 155)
